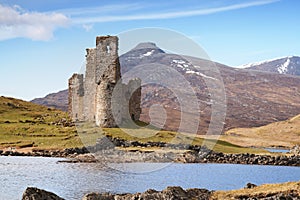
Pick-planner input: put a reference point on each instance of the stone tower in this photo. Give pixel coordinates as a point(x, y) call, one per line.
point(90, 95)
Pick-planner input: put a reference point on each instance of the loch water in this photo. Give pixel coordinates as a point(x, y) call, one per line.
point(73, 180)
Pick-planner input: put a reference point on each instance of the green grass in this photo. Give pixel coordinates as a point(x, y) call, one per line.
point(90, 133)
point(25, 124)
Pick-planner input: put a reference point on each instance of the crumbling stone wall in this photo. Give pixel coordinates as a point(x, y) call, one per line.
point(90, 96)
point(76, 94)
point(90, 85)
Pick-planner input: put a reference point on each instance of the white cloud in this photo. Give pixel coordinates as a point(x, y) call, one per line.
point(102, 9)
point(15, 22)
point(168, 15)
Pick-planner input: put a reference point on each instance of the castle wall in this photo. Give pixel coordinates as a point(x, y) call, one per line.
point(90, 96)
point(104, 116)
point(90, 86)
point(107, 75)
point(107, 59)
point(76, 94)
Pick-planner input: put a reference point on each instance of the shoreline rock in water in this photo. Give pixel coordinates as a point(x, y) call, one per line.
point(191, 156)
point(32, 193)
point(46, 153)
point(289, 191)
point(168, 194)
point(295, 150)
point(169, 153)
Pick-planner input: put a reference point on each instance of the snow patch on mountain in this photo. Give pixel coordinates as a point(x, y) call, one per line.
point(178, 61)
point(149, 53)
point(200, 74)
point(259, 63)
point(181, 64)
point(187, 67)
point(282, 69)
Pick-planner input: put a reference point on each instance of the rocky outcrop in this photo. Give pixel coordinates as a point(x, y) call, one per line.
point(105, 151)
point(282, 191)
point(246, 158)
point(189, 154)
point(250, 186)
point(291, 195)
point(295, 150)
point(169, 193)
point(81, 158)
point(32, 193)
point(69, 152)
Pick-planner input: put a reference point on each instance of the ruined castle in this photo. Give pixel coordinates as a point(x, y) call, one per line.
point(99, 96)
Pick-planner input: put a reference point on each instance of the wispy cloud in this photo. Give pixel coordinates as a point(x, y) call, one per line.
point(113, 8)
point(168, 15)
point(15, 22)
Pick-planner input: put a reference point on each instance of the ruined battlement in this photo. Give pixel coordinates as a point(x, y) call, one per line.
point(90, 95)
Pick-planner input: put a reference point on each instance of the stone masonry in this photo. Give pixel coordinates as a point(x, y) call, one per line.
point(94, 97)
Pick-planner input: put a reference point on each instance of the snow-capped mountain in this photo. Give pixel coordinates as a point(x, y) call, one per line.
point(287, 65)
point(254, 97)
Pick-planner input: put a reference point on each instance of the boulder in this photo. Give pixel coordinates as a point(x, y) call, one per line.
point(295, 150)
point(250, 186)
point(97, 196)
point(32, 193)
point(170, 193)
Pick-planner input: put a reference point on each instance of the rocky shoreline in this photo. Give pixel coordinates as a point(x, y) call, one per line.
point(65, 153)
point(290, 191)
point(116, 156)
point(113, 150)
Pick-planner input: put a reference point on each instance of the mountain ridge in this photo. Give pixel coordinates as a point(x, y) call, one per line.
point(254, 98)
point(283, 65)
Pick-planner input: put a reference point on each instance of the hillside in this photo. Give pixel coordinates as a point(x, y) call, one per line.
point(253, 98)
point(56, 100)
point(287, 65)
point(24, 124)
point(284, 133)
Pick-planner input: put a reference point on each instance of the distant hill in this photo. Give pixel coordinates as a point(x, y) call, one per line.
point(287, 65)
point(254, 98)
point(58, 100)
point(284, 133)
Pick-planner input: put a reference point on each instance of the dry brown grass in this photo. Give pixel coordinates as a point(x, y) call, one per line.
point(278, 134)
point(259, 191)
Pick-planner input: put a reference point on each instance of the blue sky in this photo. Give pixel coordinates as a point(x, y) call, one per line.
point(43, 42)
